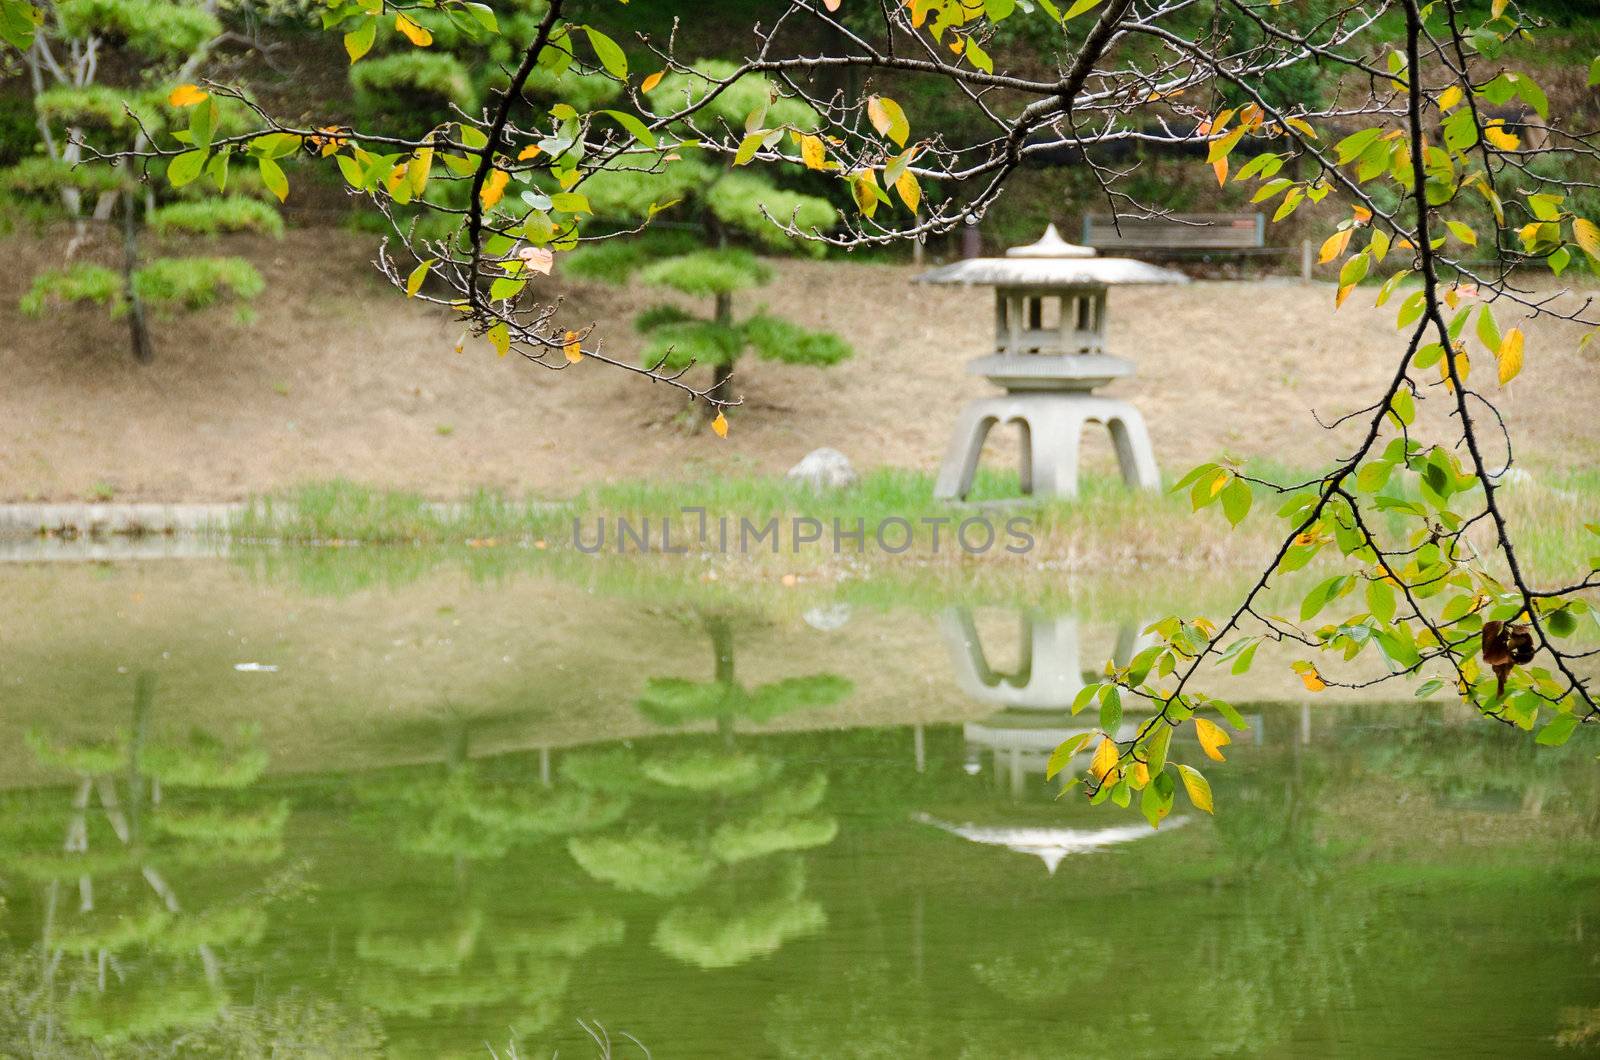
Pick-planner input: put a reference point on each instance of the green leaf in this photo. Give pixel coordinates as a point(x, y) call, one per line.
point(1236, 498)
point(1381, 600)
point(1079, 8)
point(610, 55)
point(748, 148)
point(359, 40)
point(272, 176)
point(1156, 747)
point(1198, 788)
point(571, 202)
point(1111, 709)
point(1155, 801)
point(1558, 731)
point(635, 127)
point(1062, 755)
point(1354, 145)
point(185, 168)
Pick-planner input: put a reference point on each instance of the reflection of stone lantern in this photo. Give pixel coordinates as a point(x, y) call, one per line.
point(1050, 326)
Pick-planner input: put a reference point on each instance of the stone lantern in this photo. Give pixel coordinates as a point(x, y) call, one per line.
point(1050, 328)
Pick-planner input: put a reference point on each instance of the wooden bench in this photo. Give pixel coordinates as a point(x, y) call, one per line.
point(1187, 234)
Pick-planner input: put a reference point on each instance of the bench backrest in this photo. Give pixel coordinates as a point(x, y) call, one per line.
point(1188, 231)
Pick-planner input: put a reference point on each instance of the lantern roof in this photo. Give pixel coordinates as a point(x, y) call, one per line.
point(1051, 262)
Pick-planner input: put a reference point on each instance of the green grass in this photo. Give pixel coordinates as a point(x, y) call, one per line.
point(1106, 532)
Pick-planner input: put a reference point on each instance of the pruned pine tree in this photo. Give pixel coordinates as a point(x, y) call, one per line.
point(708, 207)
point(156, 48)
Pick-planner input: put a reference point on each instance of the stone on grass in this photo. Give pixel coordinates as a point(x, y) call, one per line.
point(824, 469)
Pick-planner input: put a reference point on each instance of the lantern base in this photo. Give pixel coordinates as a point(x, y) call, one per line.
point(1052, 427)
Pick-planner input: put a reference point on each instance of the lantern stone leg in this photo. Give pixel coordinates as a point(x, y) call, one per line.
point(1052, 430)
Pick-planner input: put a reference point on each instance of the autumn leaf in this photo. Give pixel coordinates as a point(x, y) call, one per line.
point(500, 336)
point(1197, 787)
point(1500, 138)
point(572, 348)
point(720, 425)
point(910, 191)
point(1212, 738)
point(1334, 245)
point(812, 152)
point(652, 81)
point(1220, 168)
point(1587, 234)
point(187, 96)
point(413, 32)
point(887, 117)
point(537, 259)
point(1312, 680)
point(531, 151)
point(494, 188)
point(832, 5)
point(1105, 758)
point(1510, 355)
point(418, 274)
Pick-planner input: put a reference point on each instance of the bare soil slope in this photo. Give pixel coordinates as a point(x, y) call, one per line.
point(338, 377)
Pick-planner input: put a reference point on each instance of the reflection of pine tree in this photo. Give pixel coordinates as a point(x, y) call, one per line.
point(442, 961)
point(744, 807)
point(131, 961)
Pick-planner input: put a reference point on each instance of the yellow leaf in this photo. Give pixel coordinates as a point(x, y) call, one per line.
point(864, 186)
point(494, 188)
point(1212, 738)
point(812, 153)
point(1220, 168)
point(1105, 758)
point(1197, 787)
point(910, 191)
point(414, 33)
point(421, 163)
point(418, 274)
point(500, 336)
point(1141, 775)
point(1301, 126)
point(652, 81)
point(572, 348)
point(531, 151)
point(187, 96)
point(1587, 235)
point(1510, 355)
point(1312, 680)
point(1500, 138)
point(720, 425)
point(1334, 245)
point(887, 117)
point(1343, 293)
point(1450, 97)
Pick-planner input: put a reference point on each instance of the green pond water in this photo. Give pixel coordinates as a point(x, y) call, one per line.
point(286, 807)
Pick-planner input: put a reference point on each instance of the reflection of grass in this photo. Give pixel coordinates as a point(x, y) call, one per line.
point(1136, 552)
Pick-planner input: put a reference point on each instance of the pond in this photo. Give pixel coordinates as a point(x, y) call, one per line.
point(395, 805)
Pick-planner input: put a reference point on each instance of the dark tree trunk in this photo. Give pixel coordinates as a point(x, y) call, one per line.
point(721, 373)
point(138, 332)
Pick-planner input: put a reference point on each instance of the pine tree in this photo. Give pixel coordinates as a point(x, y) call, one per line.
point(162, 45)
point(721, 204)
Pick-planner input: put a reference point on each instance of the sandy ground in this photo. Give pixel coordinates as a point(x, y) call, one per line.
point(338, 377)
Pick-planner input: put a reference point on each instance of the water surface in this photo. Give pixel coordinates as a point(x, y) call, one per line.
point(319, 806)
